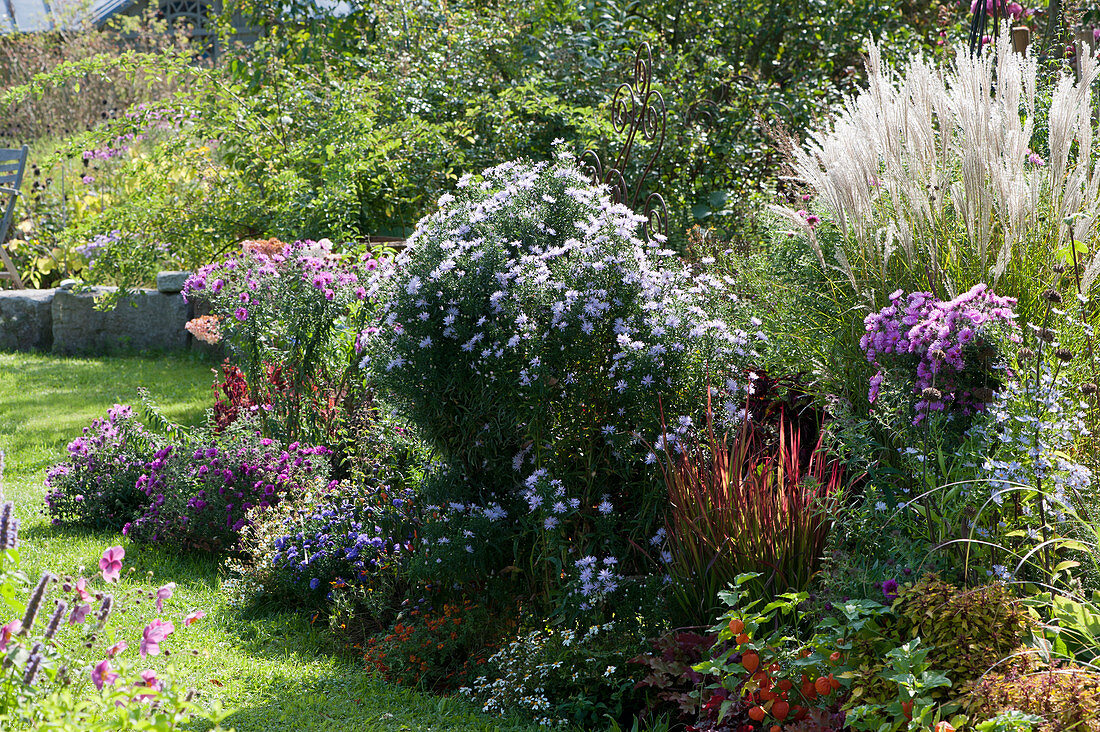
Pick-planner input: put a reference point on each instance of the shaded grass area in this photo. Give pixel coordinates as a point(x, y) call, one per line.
point(277, 670)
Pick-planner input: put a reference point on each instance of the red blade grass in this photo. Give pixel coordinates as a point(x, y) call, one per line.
point(736, 509)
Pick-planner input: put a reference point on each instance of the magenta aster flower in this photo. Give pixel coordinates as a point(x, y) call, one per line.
point(193, 616)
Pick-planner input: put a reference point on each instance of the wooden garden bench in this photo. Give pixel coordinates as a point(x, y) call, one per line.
point(12, 164)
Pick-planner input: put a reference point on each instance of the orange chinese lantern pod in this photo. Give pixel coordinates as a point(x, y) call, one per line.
point(775, 728)
point(757, 714)
point(780, 710)
point(943, 727)
point(907, 709)
point(775, 668)
point(833, 683)
point(809, 691)
point(805, 678)
point(834, 656)
point(823, 686)
point(768, 695)
point(804, 652)
point(736, 626)
point(800, 713)
point(751, 661)
point(785, 685)
point(743, 639)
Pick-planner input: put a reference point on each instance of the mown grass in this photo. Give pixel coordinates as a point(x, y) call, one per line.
point(277, 671)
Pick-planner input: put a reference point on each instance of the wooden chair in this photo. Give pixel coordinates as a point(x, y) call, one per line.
point(12, 164)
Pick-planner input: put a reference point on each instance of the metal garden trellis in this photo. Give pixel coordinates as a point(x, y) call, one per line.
point(637, 109)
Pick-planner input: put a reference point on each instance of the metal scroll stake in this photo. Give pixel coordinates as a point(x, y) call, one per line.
point(636, 109)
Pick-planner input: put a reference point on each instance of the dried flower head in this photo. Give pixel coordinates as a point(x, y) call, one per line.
point(931, 393)
point(1052, 295)
point(1059, 268)
point(1064, 354)
point(1046, 335)
point(1025, 354)
point(983, 394)
point(1088, 389)
point(937, 353)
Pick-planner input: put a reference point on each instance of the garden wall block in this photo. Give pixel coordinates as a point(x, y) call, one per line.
point(145, 320)
point(25, 320)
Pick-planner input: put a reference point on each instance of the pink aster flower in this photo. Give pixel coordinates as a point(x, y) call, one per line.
point(117, 648)
point(102, 674)
point(163, 594)
point(110, 565)
point(193, 616)
point(81, 591)
point(154, 634)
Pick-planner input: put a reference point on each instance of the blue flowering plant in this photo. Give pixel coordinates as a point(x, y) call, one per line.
point(531, 335)
point(289, 316)
point(96, 486)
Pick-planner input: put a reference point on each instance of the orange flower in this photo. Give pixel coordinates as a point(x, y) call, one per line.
point(943, 727)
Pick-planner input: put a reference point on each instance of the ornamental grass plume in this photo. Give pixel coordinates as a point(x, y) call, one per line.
point(736, 508)
point(926, 178)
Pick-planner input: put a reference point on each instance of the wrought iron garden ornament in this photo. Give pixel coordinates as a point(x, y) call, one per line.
point(980, 22)
point(636, 109)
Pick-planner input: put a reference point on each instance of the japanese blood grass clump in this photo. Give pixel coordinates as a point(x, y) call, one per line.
point(736, 507)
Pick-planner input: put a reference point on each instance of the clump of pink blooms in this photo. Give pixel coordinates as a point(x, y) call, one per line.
point(204, 328)
point(937, 333)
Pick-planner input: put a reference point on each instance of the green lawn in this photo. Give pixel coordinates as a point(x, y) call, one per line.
point(277, 671)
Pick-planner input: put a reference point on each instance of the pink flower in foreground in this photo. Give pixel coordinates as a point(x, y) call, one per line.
point(117, 648)
point(193, 616)
point(154, 634)
point(149, 676)
point(76, 617)
point(110, 565)
point(102, 674)
point(81, 589)
point(7, 631)
point(163, 594)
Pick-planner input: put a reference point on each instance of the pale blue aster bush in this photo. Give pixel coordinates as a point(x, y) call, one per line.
point(534, 338)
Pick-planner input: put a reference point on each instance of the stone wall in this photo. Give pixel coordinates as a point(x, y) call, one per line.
point(65, 321)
